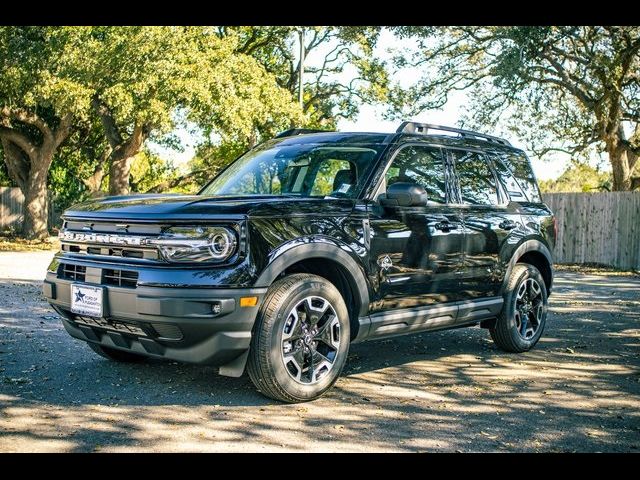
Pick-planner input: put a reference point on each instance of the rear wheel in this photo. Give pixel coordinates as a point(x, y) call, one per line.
point(300, 340)
point(116, 355)
point(524, 314)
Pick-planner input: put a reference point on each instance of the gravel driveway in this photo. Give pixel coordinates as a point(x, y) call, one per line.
point(578, 390)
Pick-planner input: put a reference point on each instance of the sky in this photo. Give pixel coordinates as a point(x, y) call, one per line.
point(370, 118)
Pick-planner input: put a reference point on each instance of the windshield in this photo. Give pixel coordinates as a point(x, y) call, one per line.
point(300, 170)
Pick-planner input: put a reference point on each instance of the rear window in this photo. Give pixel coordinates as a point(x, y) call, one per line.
point(518, 166)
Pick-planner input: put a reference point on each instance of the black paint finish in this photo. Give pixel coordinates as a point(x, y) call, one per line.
point(397, 261)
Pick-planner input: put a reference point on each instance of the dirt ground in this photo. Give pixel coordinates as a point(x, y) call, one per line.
point(578, 390)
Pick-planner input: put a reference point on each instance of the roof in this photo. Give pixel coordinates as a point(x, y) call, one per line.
point(373, 138)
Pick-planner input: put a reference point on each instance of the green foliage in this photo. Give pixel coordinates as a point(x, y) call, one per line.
point(43, 68)
point(209, 160)
point(145, 74)
point(149, 170)
point(156, 77)
point(578, 177)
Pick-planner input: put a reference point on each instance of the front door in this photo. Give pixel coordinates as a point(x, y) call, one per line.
point(416, 251)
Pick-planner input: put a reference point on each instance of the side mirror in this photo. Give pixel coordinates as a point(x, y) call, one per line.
point(404, 194)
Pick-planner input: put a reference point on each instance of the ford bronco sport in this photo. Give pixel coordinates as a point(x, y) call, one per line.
point(307, 243)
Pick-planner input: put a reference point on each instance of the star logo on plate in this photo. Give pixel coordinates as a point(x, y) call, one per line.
point(79, 296)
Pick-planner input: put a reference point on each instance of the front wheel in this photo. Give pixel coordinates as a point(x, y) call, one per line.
point(524, 314)
point(300, 340)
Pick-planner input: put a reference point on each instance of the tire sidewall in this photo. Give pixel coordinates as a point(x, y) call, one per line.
point(522, 275)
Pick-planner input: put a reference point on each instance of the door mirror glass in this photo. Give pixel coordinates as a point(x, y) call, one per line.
point(404, 194)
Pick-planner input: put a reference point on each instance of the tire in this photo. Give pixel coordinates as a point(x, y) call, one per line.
point(116, 355)
point(303, 319)
point(522, 301)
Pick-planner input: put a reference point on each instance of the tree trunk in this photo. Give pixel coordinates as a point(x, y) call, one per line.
point(621, 157)
point(621, 171)
point(123, 154)
point(36, 205)
point(119, 175)
point(94, 182)
point(28, 161)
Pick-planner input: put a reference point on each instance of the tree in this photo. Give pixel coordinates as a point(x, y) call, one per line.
point(146, 80)
point(578, 177)
point(564, 89)
point(41, 97)
point(339, 75)
point(328, 93)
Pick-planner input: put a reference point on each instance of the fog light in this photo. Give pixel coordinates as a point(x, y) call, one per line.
point(216, 308)
point(248, 301)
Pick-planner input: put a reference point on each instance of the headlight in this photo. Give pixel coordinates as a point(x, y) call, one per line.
point(197, 244)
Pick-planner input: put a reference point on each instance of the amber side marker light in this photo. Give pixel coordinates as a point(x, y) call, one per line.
point(248, 301)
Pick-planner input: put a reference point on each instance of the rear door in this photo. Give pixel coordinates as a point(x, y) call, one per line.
point(488, 222)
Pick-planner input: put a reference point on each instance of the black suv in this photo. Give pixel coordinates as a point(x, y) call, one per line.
point(307, 243)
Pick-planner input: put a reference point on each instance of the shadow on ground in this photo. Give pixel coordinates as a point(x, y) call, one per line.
point(579, 390)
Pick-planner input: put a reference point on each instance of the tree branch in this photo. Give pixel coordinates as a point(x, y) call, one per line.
point(20, 140)
point(27, 117)
point(17, 165)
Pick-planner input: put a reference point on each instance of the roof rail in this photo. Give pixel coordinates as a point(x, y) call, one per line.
point(292, 132)
point(423, 128)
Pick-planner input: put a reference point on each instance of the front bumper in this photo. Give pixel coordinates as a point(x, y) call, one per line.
point(172, 323)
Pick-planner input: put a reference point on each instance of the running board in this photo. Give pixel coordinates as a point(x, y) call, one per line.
point(437, 317)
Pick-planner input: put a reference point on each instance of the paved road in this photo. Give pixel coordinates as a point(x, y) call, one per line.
point(579, 390)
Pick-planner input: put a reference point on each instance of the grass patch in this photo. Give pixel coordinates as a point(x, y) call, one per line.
point(11, 243)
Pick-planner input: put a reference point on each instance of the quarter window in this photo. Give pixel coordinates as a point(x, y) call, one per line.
point(520, 167)
point(476, 180)
point(421, 165)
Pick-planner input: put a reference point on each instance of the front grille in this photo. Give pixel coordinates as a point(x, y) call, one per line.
point(115, 277)
point(72, 272)
point(120, 278)
point(74, 239)
point(124, 252)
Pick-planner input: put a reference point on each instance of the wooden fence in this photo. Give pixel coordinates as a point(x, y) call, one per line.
point(11, 202)
point(597, 228)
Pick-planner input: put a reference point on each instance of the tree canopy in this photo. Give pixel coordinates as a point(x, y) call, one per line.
point(578, 177)
point(64, 84)
point(560, 88)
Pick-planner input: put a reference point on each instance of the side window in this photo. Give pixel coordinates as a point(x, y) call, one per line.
point(333, 176)
point(519, 166)
point(510, 183)
point(476, 180)
point(421, 165)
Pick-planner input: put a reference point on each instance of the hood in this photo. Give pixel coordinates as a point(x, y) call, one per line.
point(199, 207)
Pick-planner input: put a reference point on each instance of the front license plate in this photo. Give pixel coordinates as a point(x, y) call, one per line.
point(86, 300)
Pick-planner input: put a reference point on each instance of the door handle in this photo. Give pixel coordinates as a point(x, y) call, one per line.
point(446, 226)
point(508, 225)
